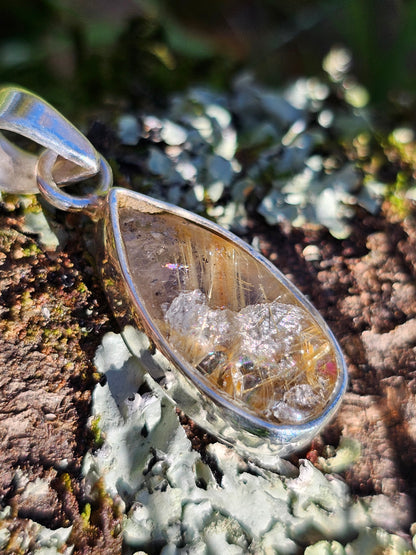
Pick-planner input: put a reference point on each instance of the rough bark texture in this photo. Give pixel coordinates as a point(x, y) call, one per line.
point(52, 317)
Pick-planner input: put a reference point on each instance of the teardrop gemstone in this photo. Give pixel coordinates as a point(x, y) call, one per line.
point(226, 316)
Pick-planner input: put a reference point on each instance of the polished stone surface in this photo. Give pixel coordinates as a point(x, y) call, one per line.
point(238, 326)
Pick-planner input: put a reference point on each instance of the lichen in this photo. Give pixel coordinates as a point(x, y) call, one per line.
point(209, 146)
point(348, 452)
point(32, 537)
point(175, 501)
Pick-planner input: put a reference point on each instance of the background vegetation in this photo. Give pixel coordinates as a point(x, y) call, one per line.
point(80, 53)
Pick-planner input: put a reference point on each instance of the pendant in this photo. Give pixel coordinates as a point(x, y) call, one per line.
point(250, 360)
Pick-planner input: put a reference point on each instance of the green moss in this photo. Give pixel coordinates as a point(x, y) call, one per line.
point(67, 482)
point(71, 332)
point(96, 432)
point(31, 250)
point(51, 334)
point(26, 299)
point(82, 288)
point(109, 283)
point(59, 311)
point(396, 195)
point(32, 335)
point(86, 514)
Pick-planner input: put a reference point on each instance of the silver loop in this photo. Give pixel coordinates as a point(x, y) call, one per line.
point(64, 201)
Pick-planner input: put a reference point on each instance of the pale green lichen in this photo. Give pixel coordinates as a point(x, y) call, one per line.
point(369, 542)
point(39, 539)
point(281, 141)
point(35, 222)
point(175, 504)
point(348, 453)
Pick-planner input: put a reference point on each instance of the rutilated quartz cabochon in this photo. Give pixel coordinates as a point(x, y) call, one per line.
point(253, 362)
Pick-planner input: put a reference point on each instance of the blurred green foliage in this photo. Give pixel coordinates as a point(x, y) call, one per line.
point(80, 53)
point(382, 38)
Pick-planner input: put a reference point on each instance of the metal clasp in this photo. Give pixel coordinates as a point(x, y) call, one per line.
point(69, 156)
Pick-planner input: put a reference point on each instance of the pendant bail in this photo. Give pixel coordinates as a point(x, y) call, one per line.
point(26, 114)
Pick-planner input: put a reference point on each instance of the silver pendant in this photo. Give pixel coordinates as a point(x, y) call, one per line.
point(251, 360)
